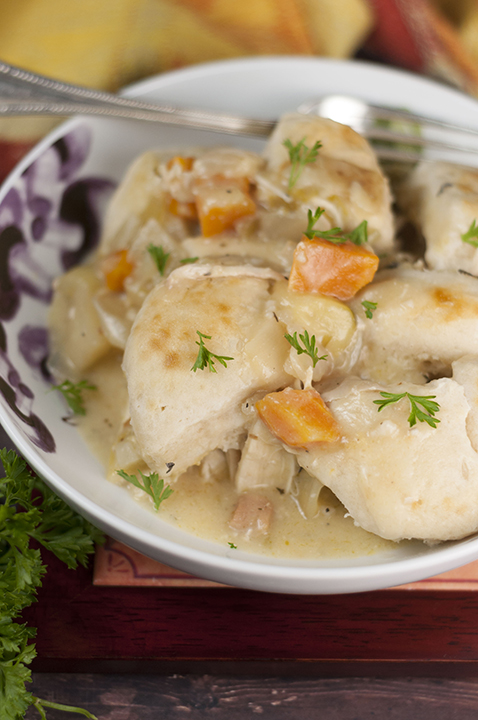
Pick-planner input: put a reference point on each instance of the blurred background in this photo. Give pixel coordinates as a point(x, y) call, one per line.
point(107, 44)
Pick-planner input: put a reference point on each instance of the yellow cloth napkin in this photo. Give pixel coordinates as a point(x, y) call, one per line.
point(109, 43)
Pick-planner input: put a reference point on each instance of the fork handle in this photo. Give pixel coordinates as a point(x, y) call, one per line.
point(26, 93)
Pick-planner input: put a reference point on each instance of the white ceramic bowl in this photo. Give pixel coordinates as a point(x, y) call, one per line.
point(50, 216)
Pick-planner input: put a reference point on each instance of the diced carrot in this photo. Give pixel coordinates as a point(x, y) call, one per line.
point(298, 417)
point(184, 163)
point(186, 210)
point(220, 202)
point(340, 270)
point(116, 268)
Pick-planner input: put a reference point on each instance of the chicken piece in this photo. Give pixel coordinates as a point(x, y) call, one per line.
point(229, 162)
point(252, 516)
point(76, 334)
point(443, 201)
point(129, 203)
point(180, 415)
point(115, 316)
point(423, 321)
point(395, 480)
point(345, 179)
point(143, 194)
point(326, 319)
point(321, 266)
point(214, 467)
point(264, 462)
point(306, 493)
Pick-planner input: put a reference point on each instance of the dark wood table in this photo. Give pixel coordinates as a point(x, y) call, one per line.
point(144, 653)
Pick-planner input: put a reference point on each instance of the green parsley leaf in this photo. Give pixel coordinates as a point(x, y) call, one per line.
point(232, 546)
point(151, 485)
point(30, 510)
point(471, 235)
point(369, 307)
point(426, 402)
point(205, 357)
point(73, 394)
point(309, 346)
point(300, 155)
point(186, 261)
point(359, 236)
point(159, 256)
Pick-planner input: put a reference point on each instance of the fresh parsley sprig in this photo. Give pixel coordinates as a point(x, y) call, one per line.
point(309, 346)
point(369, 308)
point(159, 256)
point(300, 155)
point(73, 394)
point(471, 235)
point(426, 401)
point(29, 510)
point(151, 485)
point(205, 357)
point(188, 260)
point(358, 236)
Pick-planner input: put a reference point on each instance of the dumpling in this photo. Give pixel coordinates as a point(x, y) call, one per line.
point(345, 179)
point(443, 201)
point(423, 321)
point(399, 481)
point(178, 415)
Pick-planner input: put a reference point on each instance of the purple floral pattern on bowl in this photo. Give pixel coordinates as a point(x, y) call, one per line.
point(50, 220)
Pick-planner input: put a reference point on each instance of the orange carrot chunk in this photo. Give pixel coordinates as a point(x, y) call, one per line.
point(298, 417)
point(116, 268)
point(186, 210)
point(220, 202)
point(183, 163)
point(340, 270)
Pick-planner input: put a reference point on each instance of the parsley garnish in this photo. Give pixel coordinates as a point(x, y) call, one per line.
point(358, 236)
point(300, 155)
point(426, 401)
point(232, 546)
point(369, 308)
point(186, 261)
point(205, 356)
point(151, 485)
point(159, 256)
point(471, 235)
point(30, 511)
point(73, 394)
point(309, 346)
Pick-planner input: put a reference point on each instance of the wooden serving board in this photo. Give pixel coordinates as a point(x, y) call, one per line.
point(120, 566)
point(423, 630)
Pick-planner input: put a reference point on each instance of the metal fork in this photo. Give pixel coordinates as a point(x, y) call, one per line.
point(399, 135)
point(396, 135)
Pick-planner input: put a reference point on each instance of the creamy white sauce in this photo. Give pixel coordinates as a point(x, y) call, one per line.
point(205, 508)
